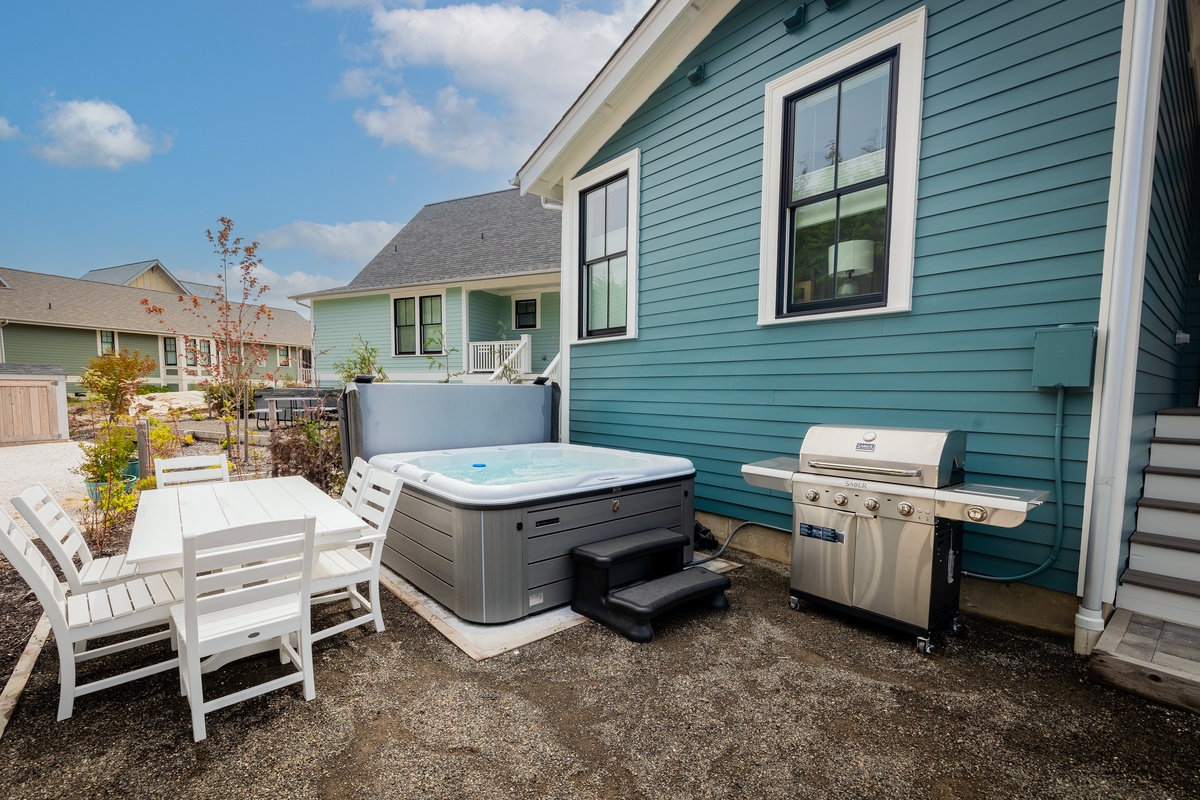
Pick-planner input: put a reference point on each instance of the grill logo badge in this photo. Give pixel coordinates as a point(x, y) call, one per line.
point(864, 447)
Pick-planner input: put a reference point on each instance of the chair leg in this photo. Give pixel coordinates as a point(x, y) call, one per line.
point(195, 695)
point(310, 688)
point(375, 609)
point(66, 680)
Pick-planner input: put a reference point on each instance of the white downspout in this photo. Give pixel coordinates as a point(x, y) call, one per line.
point(1121, 306)
point(3, 325)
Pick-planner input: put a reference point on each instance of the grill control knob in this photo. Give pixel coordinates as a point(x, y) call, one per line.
point(976, 514)
point(812, 495)
point(871, 504)
point(905, 509)
point(840, 499)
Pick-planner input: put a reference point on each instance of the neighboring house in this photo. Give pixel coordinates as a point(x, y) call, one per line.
point(1003, 168)
point(149, 275)
point(466, 285)
point(50, 319)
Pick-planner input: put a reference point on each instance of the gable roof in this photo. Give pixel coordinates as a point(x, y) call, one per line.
point(485, 236)
point(659, 43)
point(126, 274)
point(39, 299)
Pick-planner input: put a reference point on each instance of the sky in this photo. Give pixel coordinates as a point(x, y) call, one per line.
point(128, 129)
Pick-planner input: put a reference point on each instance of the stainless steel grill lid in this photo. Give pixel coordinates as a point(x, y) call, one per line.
point(904, 456)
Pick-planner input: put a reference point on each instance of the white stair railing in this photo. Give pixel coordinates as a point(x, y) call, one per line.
point(518, 362)
point(551, 372)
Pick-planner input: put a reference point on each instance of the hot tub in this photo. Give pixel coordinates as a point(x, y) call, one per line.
point(488, 531)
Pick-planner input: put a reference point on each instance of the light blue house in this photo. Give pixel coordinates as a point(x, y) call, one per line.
point(1002, 168)
point(469, 288)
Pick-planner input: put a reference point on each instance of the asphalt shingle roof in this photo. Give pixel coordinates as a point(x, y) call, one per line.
point(40, 299)
point(485, 236)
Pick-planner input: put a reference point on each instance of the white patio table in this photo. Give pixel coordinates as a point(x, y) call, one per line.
point(164, 514)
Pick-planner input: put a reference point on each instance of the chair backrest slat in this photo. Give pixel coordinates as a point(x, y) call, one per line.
point(355, 480)
point(55, 527)
point(190, 469)
point(34, 569)
point(379, 497)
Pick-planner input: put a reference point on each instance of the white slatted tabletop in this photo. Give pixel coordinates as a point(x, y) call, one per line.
point(163, 515)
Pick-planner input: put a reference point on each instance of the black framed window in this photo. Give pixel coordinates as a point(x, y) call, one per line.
point(418, 315)
point(170, 352)
point(525, 314)
point(837, 186)
point(205, 353)
point(431, 324)
point(189, 350)
point(604, 239)
point(108, 341)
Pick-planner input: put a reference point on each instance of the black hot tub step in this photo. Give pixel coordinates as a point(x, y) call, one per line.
point(626, 548)
point(629, 611)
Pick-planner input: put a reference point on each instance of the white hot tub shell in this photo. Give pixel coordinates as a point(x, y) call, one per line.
point(488, 531)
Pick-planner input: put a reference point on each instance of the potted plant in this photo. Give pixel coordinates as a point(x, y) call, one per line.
point(107, 458)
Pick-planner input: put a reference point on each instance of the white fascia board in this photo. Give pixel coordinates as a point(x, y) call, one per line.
point(662, 40)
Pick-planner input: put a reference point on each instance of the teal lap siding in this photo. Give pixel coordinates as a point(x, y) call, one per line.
point(1016, 141)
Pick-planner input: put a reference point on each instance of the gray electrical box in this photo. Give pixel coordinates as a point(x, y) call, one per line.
point(1064, 356)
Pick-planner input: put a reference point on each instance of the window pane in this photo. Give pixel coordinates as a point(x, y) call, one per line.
point(616, 213)
point(431, 310)
point(597, 297)
point(616, 292)
point(432, 338)
point(858, 260)
point(406, 311)
point(406, 339)
point(594, 230)
point(864, 126)
point(814, 143)
point(814, 228)
point(171, 356)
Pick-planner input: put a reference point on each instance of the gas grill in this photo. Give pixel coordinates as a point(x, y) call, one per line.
point(878, 521)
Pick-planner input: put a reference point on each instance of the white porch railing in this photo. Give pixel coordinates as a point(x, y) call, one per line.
point(518, 362)
point(489, 356)
point(305, 375)
point(551, 372)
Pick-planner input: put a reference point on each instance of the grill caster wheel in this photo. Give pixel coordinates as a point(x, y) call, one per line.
point(924, 645)
point(793, 603)
point(956, 625)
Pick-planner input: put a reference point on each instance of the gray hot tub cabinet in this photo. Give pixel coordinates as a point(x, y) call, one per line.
point(494, 564)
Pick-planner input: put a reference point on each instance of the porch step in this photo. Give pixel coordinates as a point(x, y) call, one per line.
point(1169, 517)
point(1174, 451)
point(1178, 423)
point(1150, 657)
point(1172, 483)
point(1165, 597)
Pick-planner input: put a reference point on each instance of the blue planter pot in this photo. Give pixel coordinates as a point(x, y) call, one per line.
point(93, 488)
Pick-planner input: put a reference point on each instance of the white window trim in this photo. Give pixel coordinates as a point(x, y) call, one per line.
point(629, 163)
point(537, 309)
point(416, 295)
point(100, 340)
point(907, 32)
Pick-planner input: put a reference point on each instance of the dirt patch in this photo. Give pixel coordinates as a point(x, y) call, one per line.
point(756, 702)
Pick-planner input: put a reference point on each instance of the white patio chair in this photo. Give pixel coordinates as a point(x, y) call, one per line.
point(66, 543)
point(244, 586)
point(190, 469)
point(339, 571)
point(120, 608)
point(355, 479)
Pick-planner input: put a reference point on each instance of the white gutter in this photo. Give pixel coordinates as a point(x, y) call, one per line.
point(1120, 311)
point(3, 324)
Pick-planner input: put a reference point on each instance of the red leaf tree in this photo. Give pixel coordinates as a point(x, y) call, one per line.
point(237, 328)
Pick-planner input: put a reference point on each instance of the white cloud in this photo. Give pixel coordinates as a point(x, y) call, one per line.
point(95, 133)
point(507, 74)
point(354, 242)
point(8, 130)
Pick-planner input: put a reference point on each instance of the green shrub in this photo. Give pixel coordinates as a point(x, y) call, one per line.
point(113, 378)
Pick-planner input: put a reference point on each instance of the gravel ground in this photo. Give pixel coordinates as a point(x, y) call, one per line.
point(50, 463)
point(755, 702)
